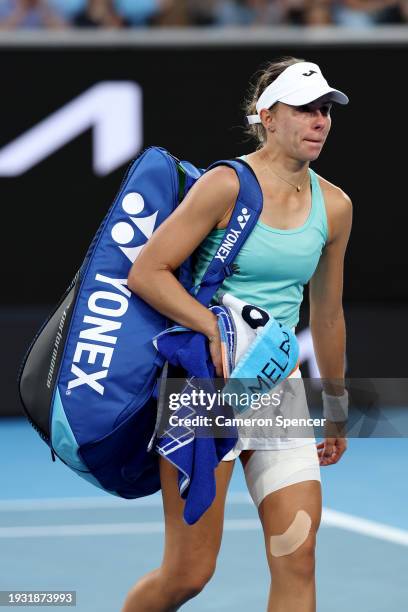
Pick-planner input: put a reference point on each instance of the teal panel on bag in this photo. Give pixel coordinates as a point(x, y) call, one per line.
point(65, 444)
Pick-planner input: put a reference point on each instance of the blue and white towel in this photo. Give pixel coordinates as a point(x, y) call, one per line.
point(249, 336)
point(263, 353)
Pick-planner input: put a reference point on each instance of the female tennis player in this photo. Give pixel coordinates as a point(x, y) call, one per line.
point(301, 237)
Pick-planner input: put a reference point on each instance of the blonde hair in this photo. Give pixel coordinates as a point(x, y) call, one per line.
point(263, 77)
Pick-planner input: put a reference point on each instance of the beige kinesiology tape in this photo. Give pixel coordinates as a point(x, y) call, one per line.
point(295, 535)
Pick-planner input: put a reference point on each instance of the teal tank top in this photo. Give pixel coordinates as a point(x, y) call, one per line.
point(274, 264)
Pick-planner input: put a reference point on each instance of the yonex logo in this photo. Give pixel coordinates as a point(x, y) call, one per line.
point(110, 302)
point(113, 304)
point(309, 73)
point(242, 219)
point(232, 236)
point(123, 232)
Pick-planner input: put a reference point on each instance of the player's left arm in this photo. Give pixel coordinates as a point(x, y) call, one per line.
point(327, 322)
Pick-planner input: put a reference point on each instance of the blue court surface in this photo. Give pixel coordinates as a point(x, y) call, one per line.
point(58, 532)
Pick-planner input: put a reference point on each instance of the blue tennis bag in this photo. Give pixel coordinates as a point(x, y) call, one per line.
point(88, 380)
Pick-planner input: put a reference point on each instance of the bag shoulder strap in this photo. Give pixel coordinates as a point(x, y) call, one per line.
point(247, 210)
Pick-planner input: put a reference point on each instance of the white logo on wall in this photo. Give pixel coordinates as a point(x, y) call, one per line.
point(113, 109)
point(307, 353)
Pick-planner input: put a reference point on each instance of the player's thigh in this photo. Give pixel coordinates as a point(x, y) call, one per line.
point(285, 486)
point(300, 502)
point(195, 546)
point(290, 519)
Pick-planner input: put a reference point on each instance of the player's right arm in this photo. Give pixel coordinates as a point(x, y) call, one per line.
point(152, 275)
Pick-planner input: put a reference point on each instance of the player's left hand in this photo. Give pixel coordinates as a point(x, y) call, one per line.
point(331, 450)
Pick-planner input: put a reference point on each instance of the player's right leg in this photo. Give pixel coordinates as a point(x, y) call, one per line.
point(190, 550)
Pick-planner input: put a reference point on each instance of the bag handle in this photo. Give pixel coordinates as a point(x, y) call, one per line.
point(246, 213)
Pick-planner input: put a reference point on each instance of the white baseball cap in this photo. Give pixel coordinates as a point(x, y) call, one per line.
point(298, 84)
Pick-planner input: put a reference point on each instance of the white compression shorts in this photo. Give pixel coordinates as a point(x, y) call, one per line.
point(267, 471)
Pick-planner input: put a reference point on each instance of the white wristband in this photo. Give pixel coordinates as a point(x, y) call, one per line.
point(335, 408)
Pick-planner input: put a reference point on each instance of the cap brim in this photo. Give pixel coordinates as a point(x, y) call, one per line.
point(309, 95)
